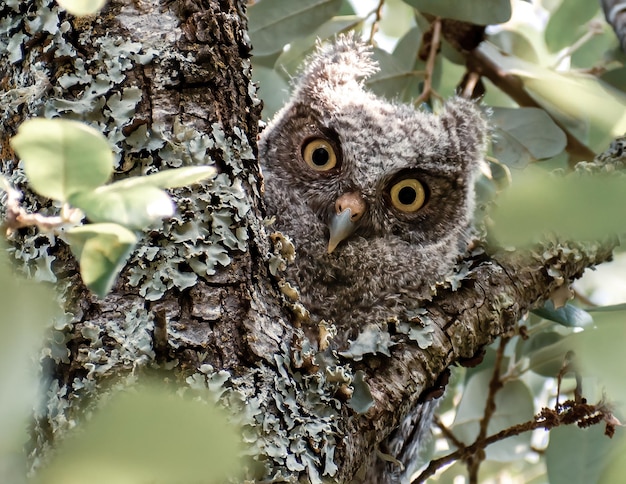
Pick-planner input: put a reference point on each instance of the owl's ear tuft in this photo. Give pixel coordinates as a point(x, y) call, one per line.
point(467, 126)
point(344, 61)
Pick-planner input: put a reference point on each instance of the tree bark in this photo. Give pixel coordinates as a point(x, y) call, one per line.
point(168, 82)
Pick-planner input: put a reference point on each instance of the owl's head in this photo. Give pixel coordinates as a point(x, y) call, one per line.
point(369, 168)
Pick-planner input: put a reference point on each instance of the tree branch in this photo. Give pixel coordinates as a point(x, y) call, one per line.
point(496, 293)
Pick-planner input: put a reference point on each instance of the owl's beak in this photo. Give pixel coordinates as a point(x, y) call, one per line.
point(349, 208)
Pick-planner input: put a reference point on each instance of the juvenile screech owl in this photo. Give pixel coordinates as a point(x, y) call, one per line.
point(376, 196)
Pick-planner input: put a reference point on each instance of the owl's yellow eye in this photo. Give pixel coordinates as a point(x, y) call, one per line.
point(319, 155)
point(408, 195)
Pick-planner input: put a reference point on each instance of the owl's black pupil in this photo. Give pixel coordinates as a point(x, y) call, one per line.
point(407, 195)
point(320, 156)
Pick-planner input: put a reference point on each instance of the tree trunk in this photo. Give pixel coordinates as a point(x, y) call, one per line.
point(168, 82)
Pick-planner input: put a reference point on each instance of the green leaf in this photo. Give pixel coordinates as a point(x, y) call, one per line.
point(62, 157)
point(273, 89)
point(291, 59)
point(567, 24)
point(274, 23)
point(514, 405)
point(174, 178)
point(102, 250)
point(575, 455)
point(392, 80)
point(148, 434)
point(568, 315)
point(82, 7)
point(480, 12)
point(524, 135)
point(547, 353)
point(136, 208)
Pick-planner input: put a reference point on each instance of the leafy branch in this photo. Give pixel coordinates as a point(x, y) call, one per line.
point(70, 162)
point(576, 411)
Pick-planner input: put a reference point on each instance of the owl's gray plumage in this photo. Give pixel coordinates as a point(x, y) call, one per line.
point(393, 258)
point(336, 145)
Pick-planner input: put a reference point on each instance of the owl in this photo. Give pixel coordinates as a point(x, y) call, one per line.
point(376, 196)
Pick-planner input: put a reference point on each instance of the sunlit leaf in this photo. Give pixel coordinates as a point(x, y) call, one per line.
point(102, 250)
point(136, 207)
point(575, 455)
point(569, 97)
point(62, 157)
point(148, 435)
point(274, 23)
point(82, 7)
point(480, 12)
point(174, 178)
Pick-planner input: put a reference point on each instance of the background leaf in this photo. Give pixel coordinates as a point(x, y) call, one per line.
point(567, 23)
point(62, 157)
point(274, 23)
point(576, 456)
point(525, 134)
point(481, 12)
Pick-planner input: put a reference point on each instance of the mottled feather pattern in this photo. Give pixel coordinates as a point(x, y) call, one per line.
point(392, 258)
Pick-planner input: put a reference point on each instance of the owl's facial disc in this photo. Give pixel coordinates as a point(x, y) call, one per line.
point(349, 208)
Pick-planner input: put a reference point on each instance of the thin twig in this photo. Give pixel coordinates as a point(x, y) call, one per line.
point(16, 217)
point(579, 413)
point(435, 43)
point(447, 433)
point(495, 384)
point(470, 85)
point(379, 13)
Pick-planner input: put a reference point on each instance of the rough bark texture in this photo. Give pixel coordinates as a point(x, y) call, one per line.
point(169, 84)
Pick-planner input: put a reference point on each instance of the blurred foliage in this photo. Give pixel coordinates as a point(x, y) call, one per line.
point(563, 56)
point(149, 434)
point(560, 52)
